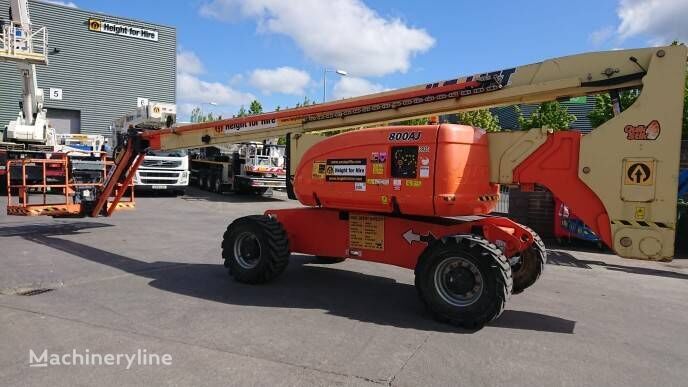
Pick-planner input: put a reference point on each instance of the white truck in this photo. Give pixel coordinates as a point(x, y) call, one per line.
point(160, 171)
point(244, 168)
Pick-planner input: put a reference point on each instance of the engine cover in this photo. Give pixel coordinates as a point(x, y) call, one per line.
point(430, 170)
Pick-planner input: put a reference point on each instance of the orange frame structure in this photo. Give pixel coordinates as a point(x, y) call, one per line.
point(21, 204)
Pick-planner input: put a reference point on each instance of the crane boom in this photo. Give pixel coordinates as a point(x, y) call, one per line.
point(548, 80)
point(19, 42)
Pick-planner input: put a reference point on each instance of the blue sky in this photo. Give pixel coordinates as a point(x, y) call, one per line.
point(231, 51)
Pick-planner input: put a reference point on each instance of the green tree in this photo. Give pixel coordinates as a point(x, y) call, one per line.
point(242, 112)
point(549, 114)
point(255, 108)
point(197, 115)
point(482, 118)
point(602, 112)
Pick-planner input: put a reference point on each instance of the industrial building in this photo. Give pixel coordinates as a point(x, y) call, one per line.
point(100, 66)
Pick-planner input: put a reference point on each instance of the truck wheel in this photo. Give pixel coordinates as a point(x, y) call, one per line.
point(255, 249)
point(464, 280)
point(531, 265)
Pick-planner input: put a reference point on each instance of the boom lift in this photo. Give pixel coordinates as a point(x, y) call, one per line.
point(20, 43)
point(419, 196)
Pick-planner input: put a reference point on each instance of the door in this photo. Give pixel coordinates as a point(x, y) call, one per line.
point(65, 121)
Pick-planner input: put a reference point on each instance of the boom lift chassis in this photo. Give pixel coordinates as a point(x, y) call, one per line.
point(621, 180)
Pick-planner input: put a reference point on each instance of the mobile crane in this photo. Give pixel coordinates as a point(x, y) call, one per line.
point(419, 196)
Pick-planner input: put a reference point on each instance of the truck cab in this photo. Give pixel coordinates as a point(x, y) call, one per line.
point(163, 171)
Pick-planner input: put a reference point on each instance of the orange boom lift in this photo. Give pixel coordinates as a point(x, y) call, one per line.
point(419, 197)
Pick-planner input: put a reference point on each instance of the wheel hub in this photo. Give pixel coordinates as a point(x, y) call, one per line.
point(247, 250)
point(458, 281)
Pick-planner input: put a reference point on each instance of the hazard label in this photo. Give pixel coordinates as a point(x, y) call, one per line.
point(639, 172)
point(319, 169)
point(367, 232)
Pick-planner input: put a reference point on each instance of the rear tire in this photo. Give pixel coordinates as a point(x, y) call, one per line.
point(464, 280)
point(255, 249)
point(529, 269)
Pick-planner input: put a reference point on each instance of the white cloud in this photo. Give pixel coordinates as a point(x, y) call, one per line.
point(285, 80)
point(69, 4)
point(189, 63)
point(192, 91)
point(601, 36)
point(661, 21)
point(348, 87)
point(343, 34)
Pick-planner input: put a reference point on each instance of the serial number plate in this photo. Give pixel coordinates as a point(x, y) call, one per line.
point(159, 187)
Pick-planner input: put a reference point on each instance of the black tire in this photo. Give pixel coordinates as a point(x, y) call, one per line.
point(531, 265)
point(249, 264)
point(328, 260)
point(260, 191)
point(465, 256)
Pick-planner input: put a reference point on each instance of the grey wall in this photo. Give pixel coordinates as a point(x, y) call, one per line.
point(100, 74)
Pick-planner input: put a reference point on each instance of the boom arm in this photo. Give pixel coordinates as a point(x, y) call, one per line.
point(621, 179)
point(31, 101)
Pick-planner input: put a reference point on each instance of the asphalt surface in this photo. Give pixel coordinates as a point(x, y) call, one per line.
point(151, 280)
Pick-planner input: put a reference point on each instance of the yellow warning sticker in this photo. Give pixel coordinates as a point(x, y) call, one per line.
point(413, 183)
point(319, 169)
point(639, 172)
point(384, 199)
point(367, 232)
point(640, 213)
point(378, 169)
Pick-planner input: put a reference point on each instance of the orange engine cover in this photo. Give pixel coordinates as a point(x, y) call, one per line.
point(431, 170)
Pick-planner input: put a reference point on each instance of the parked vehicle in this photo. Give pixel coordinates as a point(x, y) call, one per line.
point(244, 168)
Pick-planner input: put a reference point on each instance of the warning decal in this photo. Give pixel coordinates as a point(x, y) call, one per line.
point(639, 172)
point(366, 232)
point(345, 170)
point(319, 170)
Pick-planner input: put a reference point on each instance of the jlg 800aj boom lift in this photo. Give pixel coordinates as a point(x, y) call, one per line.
point(400, 195)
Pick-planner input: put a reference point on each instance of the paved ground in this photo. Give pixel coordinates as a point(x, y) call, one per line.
point(152, 280)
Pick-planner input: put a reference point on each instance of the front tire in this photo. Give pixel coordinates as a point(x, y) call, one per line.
point(464, 280)
point(255, 249)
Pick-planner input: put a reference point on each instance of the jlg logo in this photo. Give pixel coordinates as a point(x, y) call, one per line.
point(643, 132)
point(404, 136)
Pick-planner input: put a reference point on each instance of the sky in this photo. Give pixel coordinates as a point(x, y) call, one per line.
point(230, 52)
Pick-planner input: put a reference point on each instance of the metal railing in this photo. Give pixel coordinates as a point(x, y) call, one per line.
point(23, 44)
point(503, 204)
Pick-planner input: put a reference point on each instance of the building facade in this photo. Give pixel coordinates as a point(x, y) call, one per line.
point(100, 67)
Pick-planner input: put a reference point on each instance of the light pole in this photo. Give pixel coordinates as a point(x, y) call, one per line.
point(325, 71)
